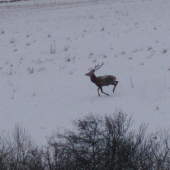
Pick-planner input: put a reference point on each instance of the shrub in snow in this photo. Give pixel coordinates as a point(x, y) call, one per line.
point(53, 48)
point(66, 48)
point(30, 70)
point(12, 40)
point(107, 143)
point(97, 143)
point(67, 59)
point(2, 32)
point(18, 152)
point(149, 48)
point(164, 51)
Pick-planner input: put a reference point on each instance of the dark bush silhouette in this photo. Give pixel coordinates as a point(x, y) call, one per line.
point(109, 143)
point(17, 152)
point(97, 143)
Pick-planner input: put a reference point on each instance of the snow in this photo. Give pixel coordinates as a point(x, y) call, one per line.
point(46, 49)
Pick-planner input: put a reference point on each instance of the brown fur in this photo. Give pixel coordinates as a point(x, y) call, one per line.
point(106, 80)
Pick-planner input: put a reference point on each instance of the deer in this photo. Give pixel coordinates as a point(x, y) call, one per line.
point(100, 81)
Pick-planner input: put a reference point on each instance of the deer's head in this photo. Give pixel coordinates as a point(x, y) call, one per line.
point(92, 70)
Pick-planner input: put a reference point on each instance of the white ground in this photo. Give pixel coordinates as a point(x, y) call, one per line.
point(45, 51)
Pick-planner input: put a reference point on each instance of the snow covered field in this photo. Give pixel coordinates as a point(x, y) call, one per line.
point(46, 49)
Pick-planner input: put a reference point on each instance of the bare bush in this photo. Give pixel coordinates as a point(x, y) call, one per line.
point(2, 32)
point(66, 48)
point(108, 143)
point(164, 51)
point(102, 29)
point(67, 59)
point(31, 70)
point(97, 143)
point(53, 48)
point(12, 41)
point(18, 152)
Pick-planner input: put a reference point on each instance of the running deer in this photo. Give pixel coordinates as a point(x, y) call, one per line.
point(102, 80)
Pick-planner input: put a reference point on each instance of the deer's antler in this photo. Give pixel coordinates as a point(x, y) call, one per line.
point(97, 67)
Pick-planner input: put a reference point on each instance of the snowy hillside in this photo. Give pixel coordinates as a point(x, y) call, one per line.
point(46, 49)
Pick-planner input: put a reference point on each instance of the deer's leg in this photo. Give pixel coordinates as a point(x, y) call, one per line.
point(103, 92)
point(98, 92)
point(115, 84)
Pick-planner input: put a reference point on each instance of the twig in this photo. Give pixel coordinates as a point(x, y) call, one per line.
point(131, 82)
point(164, 82)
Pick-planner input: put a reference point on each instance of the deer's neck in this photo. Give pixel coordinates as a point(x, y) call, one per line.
point(93, 78)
